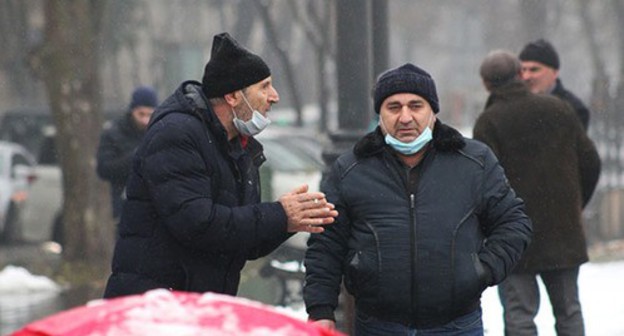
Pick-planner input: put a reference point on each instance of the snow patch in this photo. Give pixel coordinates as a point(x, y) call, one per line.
point(17, 280)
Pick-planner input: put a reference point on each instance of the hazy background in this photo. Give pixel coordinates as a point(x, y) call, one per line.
point(163, 42)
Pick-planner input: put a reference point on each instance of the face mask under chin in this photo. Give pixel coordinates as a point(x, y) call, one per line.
point(412, 147)
point(253, 126)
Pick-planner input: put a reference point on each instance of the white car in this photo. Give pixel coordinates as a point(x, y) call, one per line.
point(17, 173)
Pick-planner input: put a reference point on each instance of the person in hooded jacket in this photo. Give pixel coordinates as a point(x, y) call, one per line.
point(193, 214)
point(427, 221)
point(120, 139)
point(554, 167)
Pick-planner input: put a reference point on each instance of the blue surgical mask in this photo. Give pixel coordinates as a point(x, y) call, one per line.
point(412, 147)
point(253, 126)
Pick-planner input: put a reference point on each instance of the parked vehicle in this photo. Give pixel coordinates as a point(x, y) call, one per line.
point(42, 219)
point(293, 158)
point(34, 129)
point(17, 173)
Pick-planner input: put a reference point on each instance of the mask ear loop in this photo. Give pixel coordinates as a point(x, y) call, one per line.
point(246, 102)
point(381, 124)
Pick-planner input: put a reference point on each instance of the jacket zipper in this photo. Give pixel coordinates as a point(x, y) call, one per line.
point(412, 253)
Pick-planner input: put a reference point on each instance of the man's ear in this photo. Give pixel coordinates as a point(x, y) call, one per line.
point(232, 98)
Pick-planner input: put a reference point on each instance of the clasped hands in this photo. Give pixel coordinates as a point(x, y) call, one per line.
point(307, 211)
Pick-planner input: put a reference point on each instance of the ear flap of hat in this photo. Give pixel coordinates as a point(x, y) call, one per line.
point(231, 67)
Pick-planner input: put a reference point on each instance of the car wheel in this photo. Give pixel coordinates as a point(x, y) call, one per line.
point(11, 226)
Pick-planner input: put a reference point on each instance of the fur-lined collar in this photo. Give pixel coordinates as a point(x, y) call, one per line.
point(445, 138)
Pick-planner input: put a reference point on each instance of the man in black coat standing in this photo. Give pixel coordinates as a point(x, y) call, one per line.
point(120, 139)
point(193, 215)
point(554, 167)
point(427, 221)
point(540, 71)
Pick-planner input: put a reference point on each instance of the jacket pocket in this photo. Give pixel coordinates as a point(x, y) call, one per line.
point(362, 274)
point(470, 280)
point(480, 269)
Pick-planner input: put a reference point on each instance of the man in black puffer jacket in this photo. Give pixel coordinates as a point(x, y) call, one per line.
point(427, 220)
point(193, 214)
point(120, 139)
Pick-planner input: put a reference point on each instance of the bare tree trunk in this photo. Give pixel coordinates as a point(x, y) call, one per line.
point(14, 29)
point(244, 21)
point(318, 33)
point(70, 72)
point(284, 60)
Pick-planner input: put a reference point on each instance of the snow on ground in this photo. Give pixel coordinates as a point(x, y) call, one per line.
point(17, 280)
point(602, 300)
point(600, 284)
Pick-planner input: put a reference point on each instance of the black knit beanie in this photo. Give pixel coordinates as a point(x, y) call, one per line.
point(231, 67)
point(407, 78)
point(540, 51)
point(144, 96)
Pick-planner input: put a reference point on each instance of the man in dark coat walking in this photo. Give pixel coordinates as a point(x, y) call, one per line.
point(193, 215)
point(120, 139)
point(427, 221)
point(554, 167)
point(540, 71)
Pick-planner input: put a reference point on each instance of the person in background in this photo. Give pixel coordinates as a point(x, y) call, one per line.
point(193, 215)
point(427, 221)
point(540, 70)
point(554, 167)
point(119, 140)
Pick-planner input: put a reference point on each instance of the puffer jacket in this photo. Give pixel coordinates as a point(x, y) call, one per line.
point(114, 156)
point(192, 217)
point(417, 257)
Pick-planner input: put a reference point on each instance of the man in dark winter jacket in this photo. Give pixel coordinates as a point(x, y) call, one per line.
point(540, 71)
point(554, 167)
point(427, 221)
point(120, 139)
point(193, 215)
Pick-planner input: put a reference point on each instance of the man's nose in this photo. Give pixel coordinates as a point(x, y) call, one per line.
point(406, 115)
point(525, 75)
point(273, 96)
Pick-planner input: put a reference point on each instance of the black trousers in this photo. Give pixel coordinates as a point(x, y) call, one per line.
point(520, 297)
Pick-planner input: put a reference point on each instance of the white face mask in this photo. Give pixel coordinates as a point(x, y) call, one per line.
point(253, 126)
point(412, 147)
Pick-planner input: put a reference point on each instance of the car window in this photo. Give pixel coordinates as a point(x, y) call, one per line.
point(19, 159)
point(285, 158)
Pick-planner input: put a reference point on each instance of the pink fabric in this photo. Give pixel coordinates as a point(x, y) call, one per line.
point(162, 312)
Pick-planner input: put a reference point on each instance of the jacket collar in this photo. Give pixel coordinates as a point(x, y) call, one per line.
point(511, 90)
point(445, 139)
point(202, 109)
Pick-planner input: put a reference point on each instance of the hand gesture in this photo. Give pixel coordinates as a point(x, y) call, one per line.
point(307, 212)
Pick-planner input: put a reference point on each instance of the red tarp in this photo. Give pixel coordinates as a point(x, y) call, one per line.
point(161, 312)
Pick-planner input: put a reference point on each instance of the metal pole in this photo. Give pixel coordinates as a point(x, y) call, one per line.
point(354, 74)
point(354, 59)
